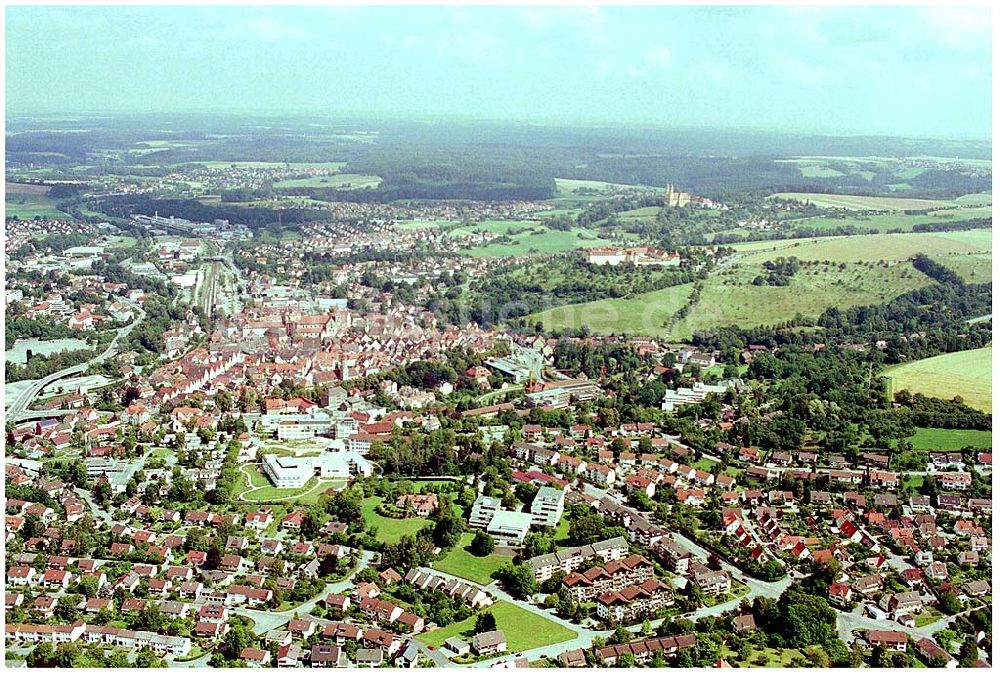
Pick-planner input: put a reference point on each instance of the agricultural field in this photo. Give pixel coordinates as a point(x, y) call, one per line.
point(870, 248)
point(965, 373)
point(340, 181)
point(647, 313)
point(30, 201)
point(858, 203)
point(537, 239)
point(972, 267)
point(565, 187)
point(860, 270)
point(884, 222)
point(950, 438)
point(524, 629)
point(462, 563)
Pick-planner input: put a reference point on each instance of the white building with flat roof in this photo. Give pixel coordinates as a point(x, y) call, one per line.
point(508, 527)
point(547, 507)
point(482, 511)
point(289, 472)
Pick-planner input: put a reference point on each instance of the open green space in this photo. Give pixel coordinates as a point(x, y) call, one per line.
point(643, 314)
point(524, 630)
point(30, 201)
point(390, 530)
point(537, 239)
point(871, 248)
point(964, 373)
point(894, 220)
point(255, 478)
point(972, 267)
point(950, 438)
point(462, 563)
point(858, 203)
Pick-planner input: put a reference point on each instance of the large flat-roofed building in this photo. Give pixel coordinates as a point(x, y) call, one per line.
point(547, 508)
point(508, 527)
point(292, 472)
point(482, 511)
point(289, 472)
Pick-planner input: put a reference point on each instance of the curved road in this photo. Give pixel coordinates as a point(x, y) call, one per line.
point(18, 409)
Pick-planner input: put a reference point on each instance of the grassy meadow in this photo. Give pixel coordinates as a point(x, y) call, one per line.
point(524, 630)
point(964, 373)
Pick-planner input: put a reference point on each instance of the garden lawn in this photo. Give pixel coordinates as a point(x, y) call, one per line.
point(390, 530)
point(524, 630)
point(964, 373)
point(950, 438)
point(462, 563)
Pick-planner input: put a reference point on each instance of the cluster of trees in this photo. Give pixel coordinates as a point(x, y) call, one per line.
point(780, 272)
point(55, 243)
point(40, 366)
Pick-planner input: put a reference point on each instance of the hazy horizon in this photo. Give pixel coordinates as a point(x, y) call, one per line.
point(920, 72)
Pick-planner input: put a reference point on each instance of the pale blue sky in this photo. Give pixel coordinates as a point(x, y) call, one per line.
point(919, 71)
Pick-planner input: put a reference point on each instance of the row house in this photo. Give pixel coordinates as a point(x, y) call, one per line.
point(626, 605)
point(643, 650)
point(614, 576)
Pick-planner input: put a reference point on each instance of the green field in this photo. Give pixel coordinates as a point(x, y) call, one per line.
point(536, 239)
point(972, 267)
point(390, 530)
point(857, 203)
point(30, 201)
point(462, 563)
point(524, 630)
point(340, 181)
point(643, 314)
point(965, 373)
point(950, 438)
point(566, 186)
point(871, 248)
point(883, 222)
point(255, 478)
point(730, 297)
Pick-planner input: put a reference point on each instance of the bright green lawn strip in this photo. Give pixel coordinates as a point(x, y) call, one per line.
point(524, 630)
point(950, 438)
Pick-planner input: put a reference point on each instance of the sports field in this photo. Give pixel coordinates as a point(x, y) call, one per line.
point(524, 629)
point(964, 373)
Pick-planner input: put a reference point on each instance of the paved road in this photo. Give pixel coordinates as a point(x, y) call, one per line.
point(18, 410)
point(583, 638)
point(269, 620)
point(848, 622)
